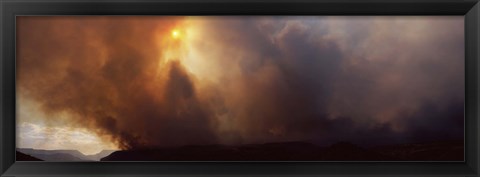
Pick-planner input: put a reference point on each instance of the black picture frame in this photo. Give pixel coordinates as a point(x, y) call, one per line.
point(9, 9)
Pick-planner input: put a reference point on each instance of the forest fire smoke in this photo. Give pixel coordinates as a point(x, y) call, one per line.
point(144, 82)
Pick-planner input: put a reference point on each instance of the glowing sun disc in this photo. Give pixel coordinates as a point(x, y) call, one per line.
point(175, 34)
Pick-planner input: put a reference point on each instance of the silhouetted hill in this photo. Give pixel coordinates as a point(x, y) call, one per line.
point(346, 151)
point(63, 155)
point(288, 151)
point(295, 151)
point(24, 157)
point(55, 155)
point(99, 155)
point(433, 151)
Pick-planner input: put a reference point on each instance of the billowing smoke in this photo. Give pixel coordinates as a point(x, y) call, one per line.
point(103, 72)
point(247, 79)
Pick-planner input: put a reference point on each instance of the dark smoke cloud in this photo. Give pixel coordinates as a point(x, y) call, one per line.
point(366, 80)
point(326, 79)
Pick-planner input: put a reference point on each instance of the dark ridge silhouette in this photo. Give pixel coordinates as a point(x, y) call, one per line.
point(434, 151)
point(346, 151)
point(55, 155)
point(63, 155)
point(297, 151)
point(99, 155)
point(24, 157)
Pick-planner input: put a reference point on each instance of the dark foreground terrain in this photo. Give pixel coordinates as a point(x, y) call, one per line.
point(24, 157)
point(298, 151)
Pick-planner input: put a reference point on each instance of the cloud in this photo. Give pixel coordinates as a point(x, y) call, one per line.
point(41, 137)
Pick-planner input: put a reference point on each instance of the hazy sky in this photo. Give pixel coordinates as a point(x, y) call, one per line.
point(93, 83)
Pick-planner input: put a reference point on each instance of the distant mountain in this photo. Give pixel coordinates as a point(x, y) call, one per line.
point(295, 151)
point(100, 155)
point(55, 155)
point(63, 155)
point(24, 157)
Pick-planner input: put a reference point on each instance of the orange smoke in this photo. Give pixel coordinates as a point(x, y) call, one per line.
point(119, 76)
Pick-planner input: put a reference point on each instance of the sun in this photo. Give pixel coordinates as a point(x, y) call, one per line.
point(175, 34)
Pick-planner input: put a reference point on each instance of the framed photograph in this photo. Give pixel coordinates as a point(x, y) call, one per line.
point(239, 88)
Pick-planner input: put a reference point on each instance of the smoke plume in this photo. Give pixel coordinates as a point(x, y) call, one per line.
point(236, 80)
